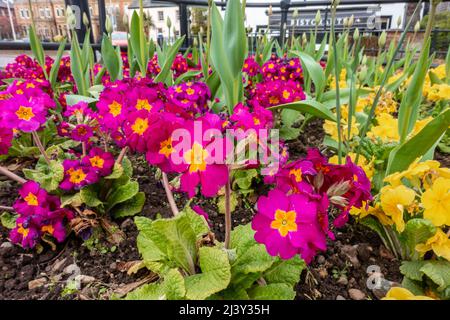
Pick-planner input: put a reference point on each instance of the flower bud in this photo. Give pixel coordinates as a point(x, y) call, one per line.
point(364, 60)
point(125, 20)
point(270, 11)
point(335, 3)
point(362, 74)
point(295, 13)
point(351, 20)
point(169, 23)
point(85, 20)
point(417, 26)
point(108, 25)
point(356, 34)
point(195, 42)
point(345, 22)
point(399, 22)
point(382, 39)
point(318, 17)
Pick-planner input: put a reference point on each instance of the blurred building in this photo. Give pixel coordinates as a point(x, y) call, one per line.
point(156, 18)
point(50, 20)
point(5, 24)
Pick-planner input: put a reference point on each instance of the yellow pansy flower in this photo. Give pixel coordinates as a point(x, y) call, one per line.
point(394, 200)
point(439, 243)
point(398, 293)
point(330, 128)
point(436, 202)
point(374, 211)
point(386, 130)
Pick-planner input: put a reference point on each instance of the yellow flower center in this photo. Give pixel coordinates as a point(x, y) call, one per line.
point(115, 108)
point(143, 104)
point(195, 157)
point(19, 91)
point(166, 147)
point(274, 100)
point(97, 162)
point(23, 231)
point(49, 228)
point(284, 222)
point(30, 85)
point(256, 121)
point(140, 126)
point(77, 176)
point(271, 66)
point(190, 91)
point(286, 94)
point(31, 199)
point(297, 173)
point(25, 113)
point(178, 90)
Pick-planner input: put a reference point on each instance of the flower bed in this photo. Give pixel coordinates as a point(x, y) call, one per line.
point(219, 174)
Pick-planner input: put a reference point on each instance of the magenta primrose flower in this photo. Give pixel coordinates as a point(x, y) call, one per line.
point(6, 136)
point(101, 161)
point(77, 175)
point(288, 225)
point(81, 132)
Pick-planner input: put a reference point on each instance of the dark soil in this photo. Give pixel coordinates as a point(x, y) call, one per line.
point(104, 267)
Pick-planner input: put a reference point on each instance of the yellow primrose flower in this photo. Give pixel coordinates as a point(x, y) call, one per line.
point(398, 293)
point(376, 211)
point(394, 200)
point(342, 80)
point(386, 130)
point(436, 202)
point(439, 243)
point(330, 128)
point(419, 125)
point(438, 92)
point(395, 77)
point(367, 166)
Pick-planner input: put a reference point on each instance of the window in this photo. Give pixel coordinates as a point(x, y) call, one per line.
point(177, 14)
point(27, 13)
point(161, 15)
point(22, 13)
point(47, 13)
point(42, 13)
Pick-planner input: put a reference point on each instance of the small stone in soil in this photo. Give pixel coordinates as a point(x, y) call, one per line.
point(37, 283)
point(339, 297)
point(58, 265)
point(323, 273)
point(343, 281)
point(10, 284)
point(320, 259)
point(356, 294)
point(351, 253)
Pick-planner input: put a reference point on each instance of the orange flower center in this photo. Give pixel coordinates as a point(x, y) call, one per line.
point(97, 162)
point(140, 126)
point(143, 104)
point(25, 113)
point(115, 108)
point(31, 199)
point(49, 228)
point(196, 158)
point(297, 173)
point(284, 222)
point(166, 147)
point(77, 176)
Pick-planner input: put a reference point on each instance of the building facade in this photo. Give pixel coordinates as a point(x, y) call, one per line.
point(6, 31)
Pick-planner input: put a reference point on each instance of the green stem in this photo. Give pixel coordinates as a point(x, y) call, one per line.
point(227, 214)
point(169, 194)
point(11, 175)
point(38, 143)
point(430, 19)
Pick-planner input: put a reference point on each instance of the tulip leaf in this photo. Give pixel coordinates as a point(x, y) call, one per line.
point(404, 154)
point(53, 76)
point(110, 58)
point(163, 75)
point(409, 106)
point(308, 106)
point(137, 41)
point(314, 70)
point(36, 47)
point(187, 75)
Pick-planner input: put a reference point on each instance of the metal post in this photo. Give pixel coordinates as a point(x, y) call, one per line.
point(10, 19)
point(183, 12)
point(101, 19)
point(284, 6)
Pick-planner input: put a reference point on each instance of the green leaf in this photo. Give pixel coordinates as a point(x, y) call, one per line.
point(186, 76)
point(242, 238)
point(234, 37)
point(274, 291)
point(130, 207)
point(439, 272)
point(116, 172)
point(122, 194)
point(56, 64)
point(89, 195)
point(417, 231)
point(165, 69)
point(221, 203)
point(197, 222)
point(243, 178)
point(414, 286)
point(403, 155)
point(409, 106)
point(314, 70)
point(289, 133)
point(71, 199)
point(36, 47)
point(77, 67)
point(137, 41)
point(8, 220)
point(411, 269)
point(72, 99)
point(48, 177)
point(149, 250)
point(254, 259)
point(110, 58)
point(285, 271)
point(215, 274)
point(308, 106)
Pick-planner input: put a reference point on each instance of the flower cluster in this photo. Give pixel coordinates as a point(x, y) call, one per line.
point(188, 98)
point(423, 190)
point(294, 217)
point(179, 65)
point(274, 92)
point(78, 173)
point(40, 214)
point(282, 69)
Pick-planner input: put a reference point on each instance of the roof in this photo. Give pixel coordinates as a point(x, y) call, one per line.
point(151, 4)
